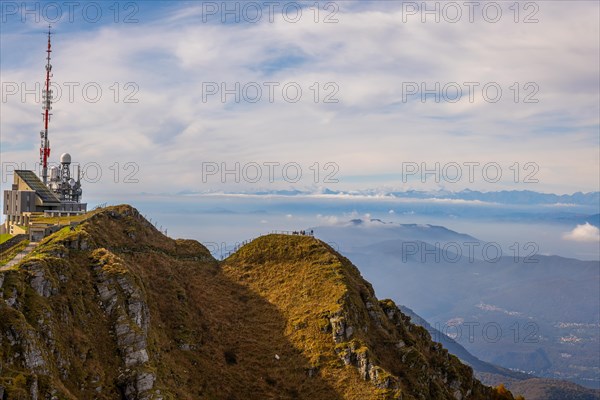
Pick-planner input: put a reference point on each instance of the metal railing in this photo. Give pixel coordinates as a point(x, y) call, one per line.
point(239, 245)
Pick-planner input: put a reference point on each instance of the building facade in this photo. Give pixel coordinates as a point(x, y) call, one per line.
point(29, 197)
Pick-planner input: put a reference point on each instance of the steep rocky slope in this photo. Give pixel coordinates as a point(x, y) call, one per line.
point(116, 310)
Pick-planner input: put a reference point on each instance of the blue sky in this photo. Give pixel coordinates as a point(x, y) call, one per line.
point(365, 63)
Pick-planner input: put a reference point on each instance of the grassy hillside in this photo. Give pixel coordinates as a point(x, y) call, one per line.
point(116, 310)
point(357, 343)
point(10, 253)
point(4, 237)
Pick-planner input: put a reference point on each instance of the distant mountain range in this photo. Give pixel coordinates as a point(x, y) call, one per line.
point(508, 196)
point(517, 197)
point(529, 386)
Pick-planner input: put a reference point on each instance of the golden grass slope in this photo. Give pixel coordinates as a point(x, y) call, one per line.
point(116, 310)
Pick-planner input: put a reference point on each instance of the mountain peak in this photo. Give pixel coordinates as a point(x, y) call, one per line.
point(347, 334)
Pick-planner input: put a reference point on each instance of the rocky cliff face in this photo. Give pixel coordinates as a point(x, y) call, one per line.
point(116, 310)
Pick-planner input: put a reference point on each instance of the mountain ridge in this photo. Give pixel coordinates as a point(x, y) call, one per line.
point(113, 309)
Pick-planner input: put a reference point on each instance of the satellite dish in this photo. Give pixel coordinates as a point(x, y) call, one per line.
point(65, 158)
point(72, 182)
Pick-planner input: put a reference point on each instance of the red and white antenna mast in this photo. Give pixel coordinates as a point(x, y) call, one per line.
point(47, 106)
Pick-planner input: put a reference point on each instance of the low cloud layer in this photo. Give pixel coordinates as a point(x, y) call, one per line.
point(583, 233)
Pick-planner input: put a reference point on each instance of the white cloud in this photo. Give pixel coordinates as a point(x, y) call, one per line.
point(583, 233)
point(369, 54)
point(328, 219)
